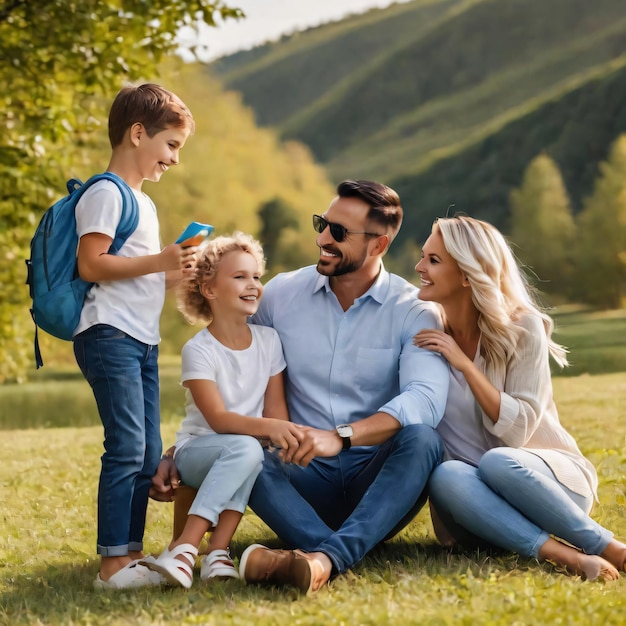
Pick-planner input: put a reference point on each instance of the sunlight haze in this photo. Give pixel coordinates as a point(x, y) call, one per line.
point(268, 20)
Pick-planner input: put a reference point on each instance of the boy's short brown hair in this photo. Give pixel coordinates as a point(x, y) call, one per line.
point(151, 105)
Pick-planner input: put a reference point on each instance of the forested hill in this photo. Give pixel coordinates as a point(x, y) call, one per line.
point(291, 79)
point(576, 130)
point(448, 100)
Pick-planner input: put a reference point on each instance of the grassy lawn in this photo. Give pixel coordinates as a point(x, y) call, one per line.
point(47, 548)
point(596, 340)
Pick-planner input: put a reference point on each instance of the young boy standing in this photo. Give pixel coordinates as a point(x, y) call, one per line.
point(115, 343)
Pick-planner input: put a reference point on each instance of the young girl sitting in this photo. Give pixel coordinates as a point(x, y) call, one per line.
point(233, 374)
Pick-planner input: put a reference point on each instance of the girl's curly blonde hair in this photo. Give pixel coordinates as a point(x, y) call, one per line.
point(191, 303)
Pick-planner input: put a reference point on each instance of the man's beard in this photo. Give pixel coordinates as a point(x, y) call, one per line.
point(341, 268)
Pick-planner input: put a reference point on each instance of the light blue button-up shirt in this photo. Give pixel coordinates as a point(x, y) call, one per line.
point(343, 366)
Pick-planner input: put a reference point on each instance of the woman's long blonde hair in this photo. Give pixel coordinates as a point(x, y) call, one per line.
point(500, 291)
point(191, 303)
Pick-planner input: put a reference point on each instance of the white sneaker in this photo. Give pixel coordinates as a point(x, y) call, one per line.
point(131, 576)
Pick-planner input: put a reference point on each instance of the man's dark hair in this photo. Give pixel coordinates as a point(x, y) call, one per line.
point(384, 202)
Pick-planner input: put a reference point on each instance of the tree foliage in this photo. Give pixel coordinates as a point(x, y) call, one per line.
point(275, 216)
point(60, 58)
point(542, 225)
point(602, 228)
point(57, 55)
point(576, 130)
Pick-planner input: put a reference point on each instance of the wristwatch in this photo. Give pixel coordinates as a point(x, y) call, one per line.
point(345, 432)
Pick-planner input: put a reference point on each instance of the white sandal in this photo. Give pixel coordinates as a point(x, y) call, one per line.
point(177, 572)
point(218, 564)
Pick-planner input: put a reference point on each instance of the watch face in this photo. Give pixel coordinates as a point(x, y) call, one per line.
point(345, 430)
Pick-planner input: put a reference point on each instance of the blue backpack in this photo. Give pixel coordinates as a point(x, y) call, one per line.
point(56, 289)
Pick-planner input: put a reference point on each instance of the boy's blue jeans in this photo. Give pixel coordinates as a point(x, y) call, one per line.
point(123, 374)
point(512, 500)
point(345, 505)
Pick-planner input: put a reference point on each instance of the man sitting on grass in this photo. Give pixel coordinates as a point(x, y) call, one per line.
point(366, 398)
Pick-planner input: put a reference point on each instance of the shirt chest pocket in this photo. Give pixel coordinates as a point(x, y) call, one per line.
point(375, 368)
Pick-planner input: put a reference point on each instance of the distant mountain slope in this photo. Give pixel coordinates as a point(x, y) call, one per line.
point(487, 41)
point(410, 141)
point(280, 80)
point(576, 129)
point(426, 95)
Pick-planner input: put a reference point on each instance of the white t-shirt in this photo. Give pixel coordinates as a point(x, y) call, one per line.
point(240, 375)
point(133, 305)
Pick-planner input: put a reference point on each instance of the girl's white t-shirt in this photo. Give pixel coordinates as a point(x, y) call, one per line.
point(133, 305)
point(240, 375)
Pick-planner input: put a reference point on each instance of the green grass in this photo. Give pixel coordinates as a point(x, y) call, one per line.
point(43, 402)
point(596, 339)
point(49, 479)
point(47, 548)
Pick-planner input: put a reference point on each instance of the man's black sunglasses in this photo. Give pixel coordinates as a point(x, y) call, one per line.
point(337, 231)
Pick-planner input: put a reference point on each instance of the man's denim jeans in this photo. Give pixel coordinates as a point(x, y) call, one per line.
point(345, 505)
point(123, 374)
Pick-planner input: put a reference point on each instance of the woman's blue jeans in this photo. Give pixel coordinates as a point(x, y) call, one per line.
point(123, 374)
point(512, 500)
point(345, 505)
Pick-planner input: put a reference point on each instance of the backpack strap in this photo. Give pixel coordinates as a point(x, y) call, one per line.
point(130, 208)
point(73, 184)
point(38, 357)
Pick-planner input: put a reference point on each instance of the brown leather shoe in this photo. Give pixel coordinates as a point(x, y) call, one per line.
point(319, 572)
point(261, 565)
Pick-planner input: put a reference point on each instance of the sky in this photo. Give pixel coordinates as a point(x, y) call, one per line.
point(267, 20)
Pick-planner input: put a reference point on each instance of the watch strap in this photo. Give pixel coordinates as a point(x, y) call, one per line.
point(346, 442)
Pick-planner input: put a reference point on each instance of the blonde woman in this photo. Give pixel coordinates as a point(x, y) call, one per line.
point(512, 477)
